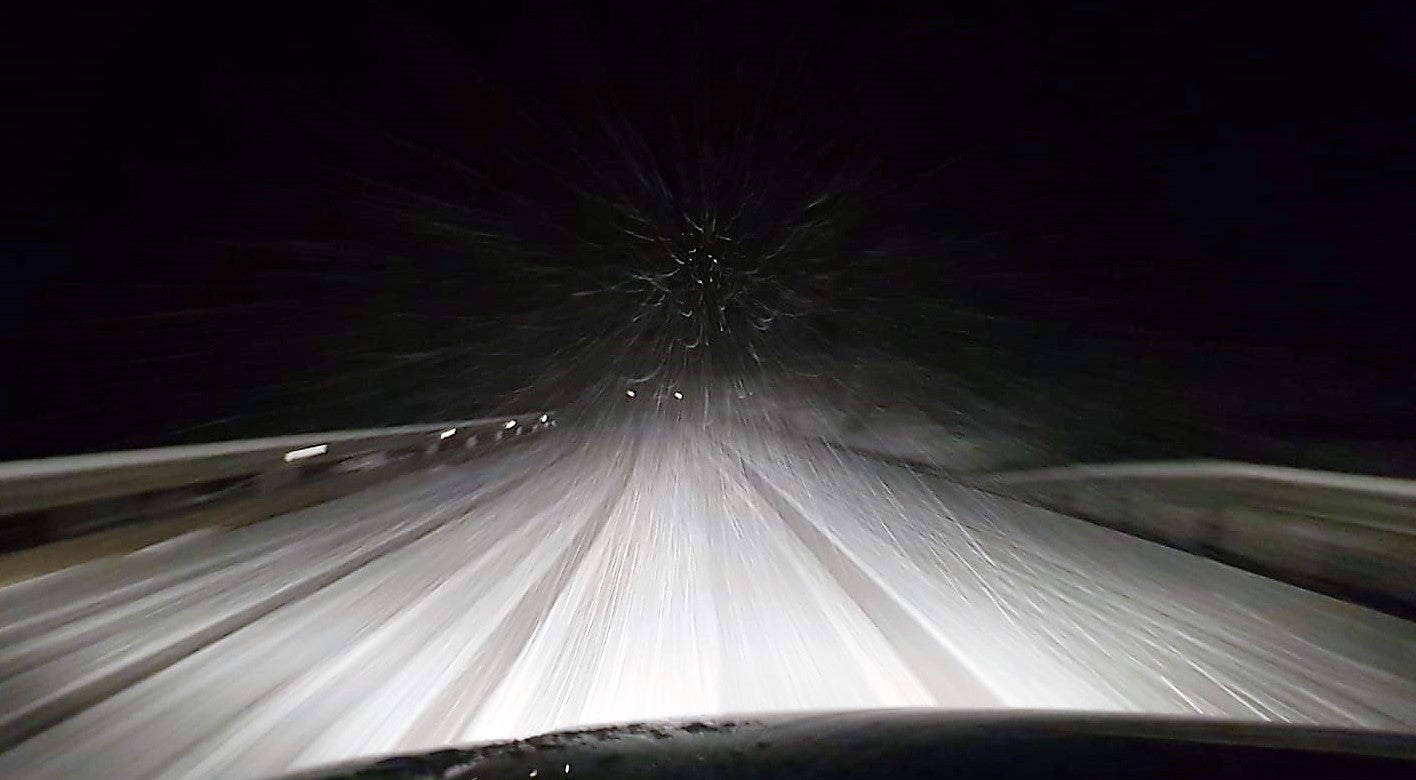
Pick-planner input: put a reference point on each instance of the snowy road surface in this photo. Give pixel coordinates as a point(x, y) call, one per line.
point(644, 570)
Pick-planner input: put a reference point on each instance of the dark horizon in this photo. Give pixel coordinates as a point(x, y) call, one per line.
point(262, 220)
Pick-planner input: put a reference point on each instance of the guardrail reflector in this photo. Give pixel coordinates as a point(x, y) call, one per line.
point(306, 452)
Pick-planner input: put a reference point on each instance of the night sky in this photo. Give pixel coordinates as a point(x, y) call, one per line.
point(258, 218)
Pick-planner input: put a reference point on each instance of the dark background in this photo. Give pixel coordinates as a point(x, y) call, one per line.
point(254, 219)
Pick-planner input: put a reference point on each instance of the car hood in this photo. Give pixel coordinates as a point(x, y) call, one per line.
point(913, 743)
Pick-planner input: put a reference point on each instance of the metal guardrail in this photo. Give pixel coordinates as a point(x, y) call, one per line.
point(45, 484)
point(1347, 535)
point(1217, 470)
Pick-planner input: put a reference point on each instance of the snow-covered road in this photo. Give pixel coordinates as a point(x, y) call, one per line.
point(643, 569)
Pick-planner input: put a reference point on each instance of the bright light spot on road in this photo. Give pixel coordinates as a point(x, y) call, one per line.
point(306, 452)
point(678, 396)
point(545, 418)
point(447, 434)
point(509, 424)
point(567, 768)
point(630, 393)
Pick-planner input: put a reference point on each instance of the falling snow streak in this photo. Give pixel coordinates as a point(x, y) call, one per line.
point(401, 275)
